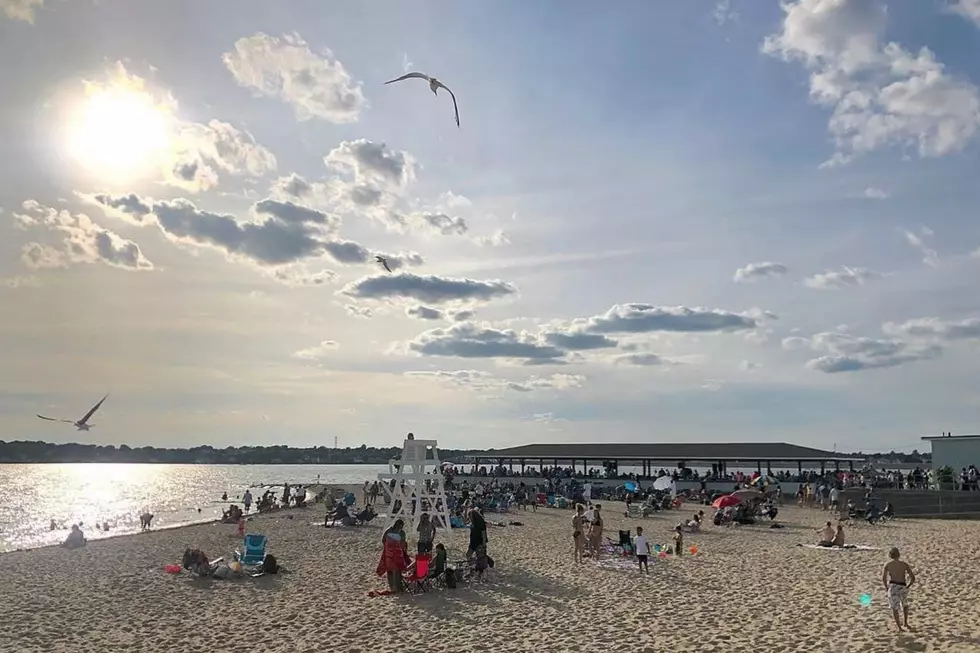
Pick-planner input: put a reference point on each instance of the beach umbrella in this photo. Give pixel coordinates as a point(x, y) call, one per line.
point(662, 483)
point(747, 494)
point(726, 501)
point(630, 486)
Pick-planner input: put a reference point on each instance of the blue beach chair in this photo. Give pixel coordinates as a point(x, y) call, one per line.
point(254, 552)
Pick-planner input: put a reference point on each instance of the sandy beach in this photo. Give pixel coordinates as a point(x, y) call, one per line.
point(749, 588)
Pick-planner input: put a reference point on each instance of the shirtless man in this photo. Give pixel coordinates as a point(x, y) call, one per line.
point(897, 577)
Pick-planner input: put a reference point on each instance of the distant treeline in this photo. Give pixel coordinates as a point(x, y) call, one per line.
point(44, 452)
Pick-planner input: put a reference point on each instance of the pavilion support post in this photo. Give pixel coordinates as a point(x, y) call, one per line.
point(585, 467)
point(851, 463)
point(573, 465)
point(758, 466)
point(799, 466)
point(823, 467)
point(522, 466)
point(541, 465)
point(836, 465)
point(510, 465)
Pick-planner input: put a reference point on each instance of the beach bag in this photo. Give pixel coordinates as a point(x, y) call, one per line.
point(270, 565)
point(451, 579)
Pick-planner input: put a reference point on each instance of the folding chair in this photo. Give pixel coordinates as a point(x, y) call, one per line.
point(254, 553)
point(417, 581)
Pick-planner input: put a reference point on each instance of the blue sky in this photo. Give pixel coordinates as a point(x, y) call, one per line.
point(699, 221)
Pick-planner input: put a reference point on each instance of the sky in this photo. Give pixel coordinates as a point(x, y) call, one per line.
point(656, 222)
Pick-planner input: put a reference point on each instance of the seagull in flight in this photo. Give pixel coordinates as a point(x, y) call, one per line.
point(383, 262)
point(434, 86)
point(82, 424)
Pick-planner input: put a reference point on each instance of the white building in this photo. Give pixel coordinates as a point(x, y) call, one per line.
point(956, 451)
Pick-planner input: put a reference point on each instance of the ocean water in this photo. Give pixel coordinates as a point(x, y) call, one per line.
point(32, 495)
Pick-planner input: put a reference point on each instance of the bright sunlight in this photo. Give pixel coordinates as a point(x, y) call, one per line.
point(119, 132)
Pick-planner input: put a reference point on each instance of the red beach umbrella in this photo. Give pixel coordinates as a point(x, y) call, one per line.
point(726, 501)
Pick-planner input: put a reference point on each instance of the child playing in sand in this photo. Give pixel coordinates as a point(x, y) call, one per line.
point(897, 577)
point(678, 540)
point(642, 548)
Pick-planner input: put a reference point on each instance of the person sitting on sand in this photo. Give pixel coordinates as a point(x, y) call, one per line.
point(75, 539)
point(838, 540)
point(827, 535)
point(439, 563)
point(341, 515)
point(694, 525)
point(897, 577)
point(195, 561)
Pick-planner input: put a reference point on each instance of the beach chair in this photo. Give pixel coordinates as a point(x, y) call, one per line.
point(626, 542)
point(551, 501)
point(542, 499)
point(634, 511)
point(254, 553)
point(417, 579)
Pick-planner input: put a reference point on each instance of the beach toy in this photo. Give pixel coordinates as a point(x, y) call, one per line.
point(656, 548)
point(663, 554)
point(694, 550)
point(172, 569)
point(865, 600)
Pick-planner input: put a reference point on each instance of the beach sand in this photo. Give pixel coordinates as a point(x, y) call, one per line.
point(749, 589)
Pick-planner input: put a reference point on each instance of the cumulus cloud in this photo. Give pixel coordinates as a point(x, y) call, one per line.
point(83, 241)
point(842, 352)
point(471, 340)
point(968, 9)
point(873, 193)
point(372, 163)
point(298, 276)
point(929, 256)
point(420, 312)
point(282, 233)
point(646, 318)
point(21, 9)
point(880, 94)
point(846, 277)
point(318, 352)
point(196, 154)
point(756, 271)
point(934, 328)
point(354, 310)
point(315, 85)
point(496, 239)
point(640, 359)
point(481, 381)
point(430, 289)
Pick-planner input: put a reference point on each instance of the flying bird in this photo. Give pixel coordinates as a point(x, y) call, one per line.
point(82, 424)
point(434, 86)
point(383, 262)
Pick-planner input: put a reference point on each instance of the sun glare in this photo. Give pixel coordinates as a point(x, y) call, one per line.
point(119, 133)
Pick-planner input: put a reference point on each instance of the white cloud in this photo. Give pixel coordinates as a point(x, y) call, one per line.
point(756, 271)
point(317, 86)
point(846, 277)
point(83, 241)
point(748, 366)
point(842, 352)
point(317, 352)
point(929, 256)
point(21, 9)
point(482, 381)
point(934, 328)
point(969, 9)
point(880, 93)
point(874, 193)
point(723, 12)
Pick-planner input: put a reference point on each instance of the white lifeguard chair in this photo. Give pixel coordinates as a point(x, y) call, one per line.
point(418, 472)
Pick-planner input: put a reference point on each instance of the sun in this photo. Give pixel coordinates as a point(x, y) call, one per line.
point(119, 132)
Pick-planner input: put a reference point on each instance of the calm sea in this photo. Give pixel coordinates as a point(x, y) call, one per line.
point(32, 495)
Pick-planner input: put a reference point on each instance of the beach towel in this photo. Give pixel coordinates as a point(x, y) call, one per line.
point(393, 558)
point(846, 547)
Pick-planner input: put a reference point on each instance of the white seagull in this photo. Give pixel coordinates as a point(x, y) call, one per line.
point(383, 262)
point(434, 86)
point(82, 424)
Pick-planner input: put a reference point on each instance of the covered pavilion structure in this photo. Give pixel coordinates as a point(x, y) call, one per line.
point(650, 456)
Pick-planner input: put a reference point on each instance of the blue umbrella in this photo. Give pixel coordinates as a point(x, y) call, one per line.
point(630, 486)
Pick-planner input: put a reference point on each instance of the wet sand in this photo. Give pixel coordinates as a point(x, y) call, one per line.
point(750, 588)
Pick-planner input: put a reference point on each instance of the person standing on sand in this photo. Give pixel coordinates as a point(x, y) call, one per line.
point(578, 537)
point(897, 577)
point(247, 500)
point(595, 532)
point(642, 548)
point(366, 492)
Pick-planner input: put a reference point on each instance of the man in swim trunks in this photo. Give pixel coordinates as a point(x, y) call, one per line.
point(897, 577)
